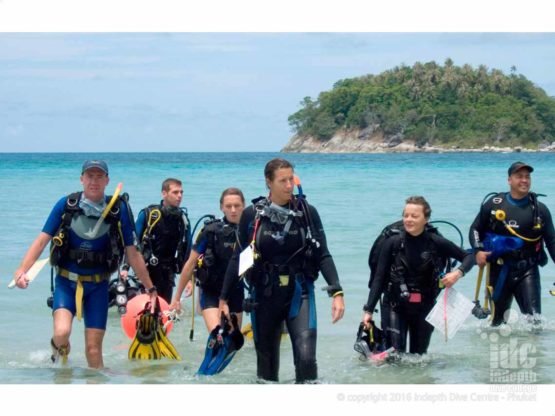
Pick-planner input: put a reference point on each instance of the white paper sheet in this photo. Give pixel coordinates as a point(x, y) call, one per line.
point(246, 260)
point(448, 321)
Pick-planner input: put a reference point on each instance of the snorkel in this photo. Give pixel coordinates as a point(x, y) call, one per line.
point(92, 233)
point(297, 181)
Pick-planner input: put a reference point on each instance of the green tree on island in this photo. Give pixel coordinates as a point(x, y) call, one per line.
point(439, 105)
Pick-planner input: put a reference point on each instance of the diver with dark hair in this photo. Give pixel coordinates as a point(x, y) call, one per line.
point(282, 236)
point(164, 232)
point(409, 274)
point(517, 217)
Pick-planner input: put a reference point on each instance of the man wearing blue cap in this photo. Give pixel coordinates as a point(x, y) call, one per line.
point(87, 247)
point(524, 224)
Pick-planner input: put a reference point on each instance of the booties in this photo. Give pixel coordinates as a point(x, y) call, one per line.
point(59, 352)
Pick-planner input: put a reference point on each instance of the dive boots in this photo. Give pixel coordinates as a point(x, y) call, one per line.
point(59, 353)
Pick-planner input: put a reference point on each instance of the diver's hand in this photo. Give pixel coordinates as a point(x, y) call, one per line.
point(366, 318)
point(153, 294)
point(21, 279)
point(337, 308)
point(224, 307)
point(175, 305)
point(189, 289)
point(451, 278)
point(482, 258)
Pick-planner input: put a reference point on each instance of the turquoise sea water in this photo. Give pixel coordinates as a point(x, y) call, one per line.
point(356, 195)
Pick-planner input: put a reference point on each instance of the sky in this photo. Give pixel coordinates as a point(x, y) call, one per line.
point(166, 91)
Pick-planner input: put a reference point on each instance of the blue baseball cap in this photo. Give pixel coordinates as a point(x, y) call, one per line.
point(99, 164)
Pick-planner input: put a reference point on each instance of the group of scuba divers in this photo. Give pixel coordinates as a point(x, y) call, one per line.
point(274, 248)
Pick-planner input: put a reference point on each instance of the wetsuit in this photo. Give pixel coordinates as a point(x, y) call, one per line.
point(87, 258)
point(216, 243)
point(515, 274)
point(282, 282)
point(164, 245)
point(408, 277)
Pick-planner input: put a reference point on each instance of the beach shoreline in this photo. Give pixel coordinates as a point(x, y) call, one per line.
point(353, 143)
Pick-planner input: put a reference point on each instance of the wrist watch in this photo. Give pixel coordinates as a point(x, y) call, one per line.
point(151, 290)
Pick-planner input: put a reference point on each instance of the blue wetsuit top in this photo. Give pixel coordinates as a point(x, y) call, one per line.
point(140, 224)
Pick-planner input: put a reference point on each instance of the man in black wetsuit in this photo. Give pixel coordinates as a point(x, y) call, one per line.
point(164, 234)
point(516, 214)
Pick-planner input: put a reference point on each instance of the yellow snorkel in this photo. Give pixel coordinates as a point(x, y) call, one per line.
point(94, 231)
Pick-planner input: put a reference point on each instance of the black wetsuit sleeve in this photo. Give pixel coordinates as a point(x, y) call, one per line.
point(188, 239)
point(449, 249)
point(382, 272)
point(326, 265)
point(245, 236)
point(548, 231)
point(480, 226)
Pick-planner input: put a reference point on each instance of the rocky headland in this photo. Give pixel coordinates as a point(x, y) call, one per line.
point(365, 141)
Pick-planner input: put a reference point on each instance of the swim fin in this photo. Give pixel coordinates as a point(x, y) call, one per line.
point(247, 329)
point(233, 342)
point(369, 341)
point(166, 347)
point(223, 342)
point(362, 344)
point(213, 346)
point(145, 345)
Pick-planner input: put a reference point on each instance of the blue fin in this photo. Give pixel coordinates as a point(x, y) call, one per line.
point(213, 348)
point(223, 342)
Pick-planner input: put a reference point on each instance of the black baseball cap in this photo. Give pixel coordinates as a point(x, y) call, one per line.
point(519, 165)
point(99, 164)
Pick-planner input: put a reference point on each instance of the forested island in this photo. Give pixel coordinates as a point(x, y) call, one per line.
point(427, 107)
